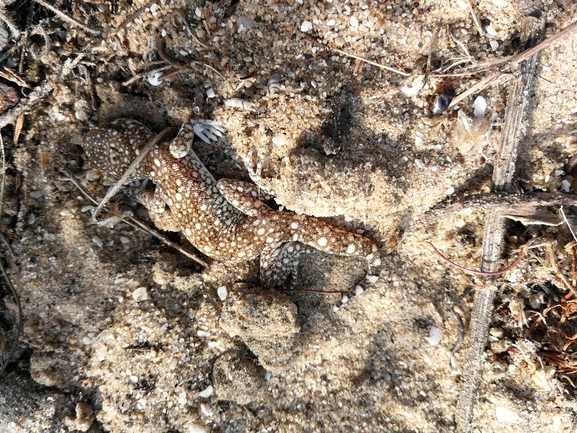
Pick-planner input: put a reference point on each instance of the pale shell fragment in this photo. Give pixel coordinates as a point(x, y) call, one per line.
point(434, 337)
point(506, 415)
point(479, 106)
point(206, 392)
point(222, 292)
point(491, 30)
point(306, 26)
point(154, 78)
point(140, 294)
point(413, 85)
point(280, 139)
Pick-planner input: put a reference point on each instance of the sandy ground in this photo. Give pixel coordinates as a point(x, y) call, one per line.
point(338, 139)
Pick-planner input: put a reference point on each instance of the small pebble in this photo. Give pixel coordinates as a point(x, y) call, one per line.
point(419, 139)
point(480, 106)
point(494, 45)
point(306, 26)
point(124, 240)
point(140, 294)
point(97, 241)
point(359, 290)
point(331, 23)
point(279, 139)
point(197, 428)
point(354, 22)
point(210, 93)
point(491, 30)
point(206, 410)
point(506, 415)
point(340, 41)
point(134, 379)
point(222, 292)
point(203, 334)
point(206, 392)
point(501, 3)
point(434, 337)
point(450, 191)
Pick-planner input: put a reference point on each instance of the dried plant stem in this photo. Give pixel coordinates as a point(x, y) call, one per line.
point(378, 65)
point(495, 228)
point(482, 273)
point(114, 189)
point(68, 18)
point(137, 224)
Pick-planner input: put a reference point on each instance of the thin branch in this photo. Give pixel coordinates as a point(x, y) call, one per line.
point(137, 224)
point(114, 189)
point(378, 65)
point(483, 273)
point(68, 18)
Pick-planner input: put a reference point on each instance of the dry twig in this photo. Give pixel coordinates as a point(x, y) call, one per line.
point(137, 224)
point(495, 226)
point(68, 18)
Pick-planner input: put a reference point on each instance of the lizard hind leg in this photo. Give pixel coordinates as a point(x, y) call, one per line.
point(279, 262)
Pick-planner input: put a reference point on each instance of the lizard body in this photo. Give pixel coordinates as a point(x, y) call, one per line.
point(225, 220)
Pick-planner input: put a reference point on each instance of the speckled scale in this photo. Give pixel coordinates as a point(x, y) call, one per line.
point(226, 220)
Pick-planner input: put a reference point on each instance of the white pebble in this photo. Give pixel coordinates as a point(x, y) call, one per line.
point(206, 392)
point(163, 33)
point(491, 30)
point(463, 4)
point(494, 45)
point(413, 87)
point(203, 333)
point(419, 139)
point(267, 375)
point(450, 191)
point(210, 93)
point(198, 12)
point(359, 290)
point(206, 410)
point(419, 163)
point(222, 292)
point(306, 26)
point(97, 241)
point(354, 22)
point(87, 340)
point(197, 428)
point(154, 8)
point(140, 294)
point(182, 398)
point(434, 337)
point(331, 23)
point(133, 379)
point(501, 3)
point(280, 139)
point(506, 415)
point(480, 106)
point(566, 185)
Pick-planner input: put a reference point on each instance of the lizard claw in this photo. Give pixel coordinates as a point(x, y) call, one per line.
point(208, 130)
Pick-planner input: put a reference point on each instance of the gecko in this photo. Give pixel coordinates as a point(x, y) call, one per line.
point(225, 219)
